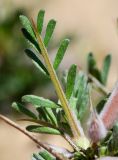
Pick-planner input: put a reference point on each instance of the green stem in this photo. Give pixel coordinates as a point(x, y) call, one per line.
point(71, 119)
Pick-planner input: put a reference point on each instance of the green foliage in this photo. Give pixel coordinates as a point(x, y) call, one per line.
point(101, 104)
point(40, 129)
point(27, 25)
point(43, 155)
point(20, 108)
point(60, 53)
point(29, 37)
point(36, 60)
point(113, 142)
point(71, 81)
point(49, 31)
point(93, 70)
point(80, 96)
point(63, 116)
point(105, 69)
point(39, 101)
point(40, 19)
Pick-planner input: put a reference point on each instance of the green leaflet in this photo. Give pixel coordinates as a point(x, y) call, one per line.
point(36, 59)
point(79, 84)
point(27, 25)
point(113, 143)
point(46, 155)
point(47, 115)
point(101, 104)
point(43, 155)
point(40, 122)
point(20, 108)
point(71, 81)
point(40, 20)
point(91, 62)
point(39, 101)
point(30, 39)
point(51, 116)
point(42, 114)
point(40, 129)
point(105, 69)
point(49, 31)
point(92, 68)
point(82, 106)
point(80, 95)
point(37, 157)
point(60, 53)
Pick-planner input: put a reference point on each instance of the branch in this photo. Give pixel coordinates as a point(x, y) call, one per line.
point(14, 125)
point(63, 134)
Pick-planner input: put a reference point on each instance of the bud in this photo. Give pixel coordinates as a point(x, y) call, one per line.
point(97, 130)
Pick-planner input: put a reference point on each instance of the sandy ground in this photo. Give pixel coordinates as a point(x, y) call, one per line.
point(16, 146)
point(94, 24)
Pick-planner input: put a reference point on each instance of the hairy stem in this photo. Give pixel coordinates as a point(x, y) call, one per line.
point(13, 124)
point(71, 119)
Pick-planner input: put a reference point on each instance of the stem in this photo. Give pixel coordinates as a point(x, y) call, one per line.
point(71, 119)
point(68, 139)
point(102, 88)
point(63, 134)
point(13, 124)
